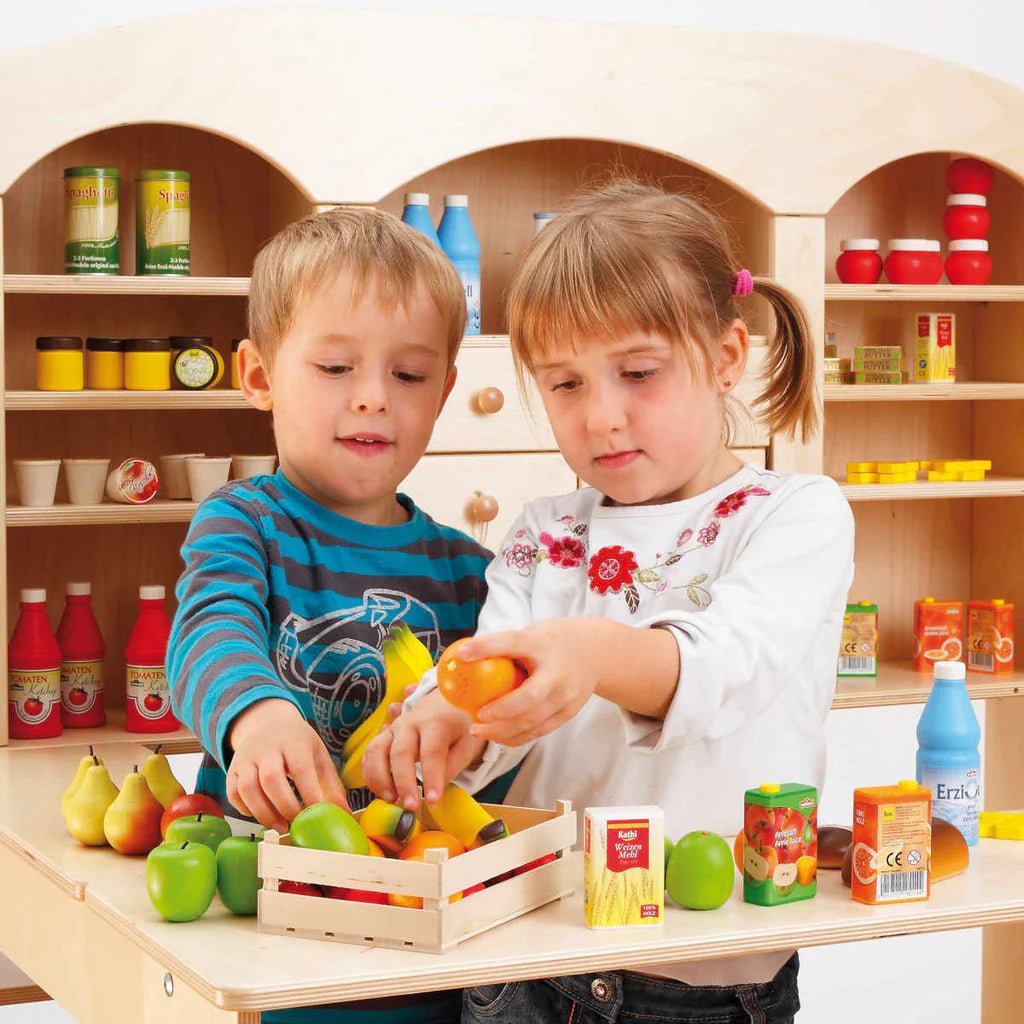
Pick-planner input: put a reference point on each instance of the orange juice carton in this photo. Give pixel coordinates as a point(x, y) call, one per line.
point(624, 866)
point(990, 636)
point(935, 358)
point(780, 843)
point(892, 843)
point(938, 632)
point(858, 649)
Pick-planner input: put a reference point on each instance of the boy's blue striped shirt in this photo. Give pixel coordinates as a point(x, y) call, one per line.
point(280, 597)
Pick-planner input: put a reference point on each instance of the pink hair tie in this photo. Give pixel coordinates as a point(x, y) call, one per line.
point(744, 283)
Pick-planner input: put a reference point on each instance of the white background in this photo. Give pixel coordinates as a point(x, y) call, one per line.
point(915, 980)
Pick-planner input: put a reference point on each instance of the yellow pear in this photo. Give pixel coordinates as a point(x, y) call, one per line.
point(132, 822)
point(83, 766)
point(156, 770)
point(88, 805)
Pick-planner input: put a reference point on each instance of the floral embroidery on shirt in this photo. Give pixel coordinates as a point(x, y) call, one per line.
point(565, 552)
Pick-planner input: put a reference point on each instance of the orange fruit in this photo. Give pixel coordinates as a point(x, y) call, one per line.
point(469, 685)
point(864, 863)
point(737, 851)
point(432, 839)
point(397, 899)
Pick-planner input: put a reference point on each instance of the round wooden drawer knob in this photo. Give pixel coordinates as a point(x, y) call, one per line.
point(484, 508)
point(490, 401)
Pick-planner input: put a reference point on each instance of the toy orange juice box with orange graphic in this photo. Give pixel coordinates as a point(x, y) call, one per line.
point(938, 632)
point(990, 636)
point(780, 843)
point(623, 866)
point(892, 843)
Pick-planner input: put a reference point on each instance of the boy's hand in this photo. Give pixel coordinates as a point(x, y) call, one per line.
point(273, 744)
point(564, 658)
point(432, 733)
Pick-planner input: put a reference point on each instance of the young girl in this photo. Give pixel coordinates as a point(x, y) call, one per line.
point(680, 616)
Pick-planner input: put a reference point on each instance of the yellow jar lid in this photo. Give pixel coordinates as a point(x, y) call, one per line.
point(907, 786)
point(768, 788)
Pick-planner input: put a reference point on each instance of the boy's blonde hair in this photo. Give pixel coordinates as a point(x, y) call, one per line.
point(366, 242)
point(627, 257)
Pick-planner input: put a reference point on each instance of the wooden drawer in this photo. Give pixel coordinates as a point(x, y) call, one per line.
point(446, 485)
point(486, 362)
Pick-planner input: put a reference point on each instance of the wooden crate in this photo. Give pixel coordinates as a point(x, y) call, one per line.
point(440, 925)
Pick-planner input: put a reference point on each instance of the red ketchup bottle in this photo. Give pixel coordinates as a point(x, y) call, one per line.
point(148, 704)
point(33, 673)
point(81, 661)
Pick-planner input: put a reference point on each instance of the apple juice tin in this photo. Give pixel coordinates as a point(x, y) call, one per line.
point(780, 843)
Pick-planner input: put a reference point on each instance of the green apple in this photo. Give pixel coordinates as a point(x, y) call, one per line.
point(238, 880)
point(326, 826)
point(181, 879)
point(199, 828)
point(700, 871)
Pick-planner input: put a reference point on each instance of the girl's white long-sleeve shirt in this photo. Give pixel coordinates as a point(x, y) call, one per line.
point(751, 577)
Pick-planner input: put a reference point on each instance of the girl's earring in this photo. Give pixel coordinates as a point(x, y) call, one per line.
point(726, 383)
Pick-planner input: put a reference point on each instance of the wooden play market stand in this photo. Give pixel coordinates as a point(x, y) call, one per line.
point(799, 142)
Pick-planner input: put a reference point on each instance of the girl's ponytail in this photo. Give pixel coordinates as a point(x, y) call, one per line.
point(788, 401)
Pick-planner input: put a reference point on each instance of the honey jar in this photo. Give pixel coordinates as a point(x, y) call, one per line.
point(104, 364)
point(147, 364)
point(59, 364)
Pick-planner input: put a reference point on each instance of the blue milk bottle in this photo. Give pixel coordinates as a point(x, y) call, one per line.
point(460, 245)
point(417, 215)
point(948, 761)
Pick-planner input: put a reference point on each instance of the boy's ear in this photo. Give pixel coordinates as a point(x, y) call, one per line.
point(732, 358)
point(254, 377)
point(448, 385)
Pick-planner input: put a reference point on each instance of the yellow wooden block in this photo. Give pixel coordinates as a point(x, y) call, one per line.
point(926, 464)
point(897, 478)
point(938, 476)
point(862, 478)
point(898, 467)
point(1001, 825)
point(862, 467)
point(972, 474)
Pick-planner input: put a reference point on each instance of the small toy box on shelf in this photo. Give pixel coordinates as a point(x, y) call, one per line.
point(449, 913)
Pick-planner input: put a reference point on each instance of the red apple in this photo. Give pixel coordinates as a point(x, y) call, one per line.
point(535, 864)
point(186, 804)
point(335, 892)
point(153, 702)
point(299, 888)
point(479, 887)
point(366, 896)
point(77, 697)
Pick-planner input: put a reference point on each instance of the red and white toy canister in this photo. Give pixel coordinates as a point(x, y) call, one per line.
point(33, 673)
point(81, 661)
point(968, 174)
point(966, 216)
point(968, 261)
point(858, 261)
point(913, 261)
point(148, 703)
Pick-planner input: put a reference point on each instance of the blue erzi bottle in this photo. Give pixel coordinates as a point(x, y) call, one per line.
point(460, 245)
point(417, 215)
point(948, 761)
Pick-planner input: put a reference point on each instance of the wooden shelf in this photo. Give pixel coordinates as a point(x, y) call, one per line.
point(941, 293)
point(108, 514)
point(53, 401)
point(964, 391)
point(993, 487)
point(181, 741)
point(70, 284)
point(898, 683)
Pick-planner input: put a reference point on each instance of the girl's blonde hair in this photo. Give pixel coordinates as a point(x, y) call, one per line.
point(628, 257)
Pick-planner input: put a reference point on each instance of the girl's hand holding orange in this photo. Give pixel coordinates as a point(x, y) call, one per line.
point(563, 659)
point(470, 684)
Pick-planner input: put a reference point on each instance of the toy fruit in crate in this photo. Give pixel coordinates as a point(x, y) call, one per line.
point(527, 836)
point(469, 685)
point(780, 829)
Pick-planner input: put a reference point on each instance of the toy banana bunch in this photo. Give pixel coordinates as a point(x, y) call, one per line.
point(405, 661)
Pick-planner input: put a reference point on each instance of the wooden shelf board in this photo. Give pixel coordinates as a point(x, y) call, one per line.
point(924, 293)
point(54, 401)
point(898, 683)
point(181, 741)
point(110, 513)
point(993, 487)
point(963, 391)
point(70, 284)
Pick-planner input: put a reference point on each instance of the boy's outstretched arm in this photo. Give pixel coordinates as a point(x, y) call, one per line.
point(223, 684)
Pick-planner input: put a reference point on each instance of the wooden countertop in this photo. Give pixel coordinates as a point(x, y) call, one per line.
point(226, 960)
